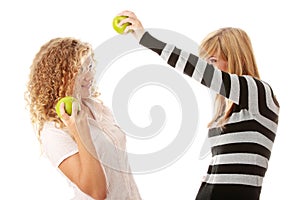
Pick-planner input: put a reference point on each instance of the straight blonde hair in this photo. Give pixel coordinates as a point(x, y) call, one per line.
point(234, 46)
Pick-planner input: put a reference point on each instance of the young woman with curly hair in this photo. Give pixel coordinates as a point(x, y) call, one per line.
point(87, 147)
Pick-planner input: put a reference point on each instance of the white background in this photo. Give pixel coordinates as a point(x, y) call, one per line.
point(26, 25)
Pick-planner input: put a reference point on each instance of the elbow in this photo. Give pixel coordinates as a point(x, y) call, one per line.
point(99, 195)
point(96, 191)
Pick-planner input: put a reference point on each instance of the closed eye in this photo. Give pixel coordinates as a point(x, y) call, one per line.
point(92, 67)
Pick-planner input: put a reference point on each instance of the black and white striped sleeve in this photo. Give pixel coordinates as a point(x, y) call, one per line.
point(245, 91)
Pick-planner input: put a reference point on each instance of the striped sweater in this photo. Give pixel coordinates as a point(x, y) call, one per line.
point(242, 149)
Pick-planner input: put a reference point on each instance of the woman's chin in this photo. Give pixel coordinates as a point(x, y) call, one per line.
point(86, 93)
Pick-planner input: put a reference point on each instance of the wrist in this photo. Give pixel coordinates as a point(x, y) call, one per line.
point(138, 34)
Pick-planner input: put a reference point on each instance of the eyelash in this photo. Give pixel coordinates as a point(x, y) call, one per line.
point(212, 60)
point(89, 68)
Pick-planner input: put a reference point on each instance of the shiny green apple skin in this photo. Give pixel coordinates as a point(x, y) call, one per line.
point(116, 21)
point(68, 100)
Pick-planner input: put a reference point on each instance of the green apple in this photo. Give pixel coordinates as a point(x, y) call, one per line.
point(68, 100)
point(116, 21)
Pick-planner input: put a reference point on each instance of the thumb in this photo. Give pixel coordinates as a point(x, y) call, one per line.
point(63, 114)
point(75, 107)
point(62, 108)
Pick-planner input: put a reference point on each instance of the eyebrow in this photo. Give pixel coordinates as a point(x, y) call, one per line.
point(212, 56)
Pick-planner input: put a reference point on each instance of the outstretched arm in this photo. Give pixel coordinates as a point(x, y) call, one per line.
point(245, 91)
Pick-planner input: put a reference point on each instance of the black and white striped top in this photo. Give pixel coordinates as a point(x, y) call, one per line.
point(240, 151)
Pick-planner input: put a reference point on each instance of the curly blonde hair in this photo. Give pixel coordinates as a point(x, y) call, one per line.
point(52, 76)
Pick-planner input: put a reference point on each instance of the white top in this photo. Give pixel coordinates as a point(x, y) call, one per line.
point(110, 144)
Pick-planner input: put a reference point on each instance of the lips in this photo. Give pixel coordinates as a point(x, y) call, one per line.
point(86, 86)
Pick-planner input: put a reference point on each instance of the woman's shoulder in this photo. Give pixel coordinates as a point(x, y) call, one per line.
point(99, 107)
point(93, 101)
point(50, 126)
point(56, 143)
point(52, 131)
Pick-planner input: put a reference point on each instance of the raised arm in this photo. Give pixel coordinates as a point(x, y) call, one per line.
point(245, 91)
point(82, 168)
point(228, 85)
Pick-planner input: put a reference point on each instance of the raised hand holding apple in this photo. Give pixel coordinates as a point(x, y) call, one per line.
point(116, 21)
point(76, 123)
point(132, 24)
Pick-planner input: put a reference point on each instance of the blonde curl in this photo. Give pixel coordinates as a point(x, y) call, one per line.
point(52, 76)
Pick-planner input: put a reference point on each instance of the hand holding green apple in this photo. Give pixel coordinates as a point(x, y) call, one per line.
point(68, 101)
point(116, 21)
point(129, 20)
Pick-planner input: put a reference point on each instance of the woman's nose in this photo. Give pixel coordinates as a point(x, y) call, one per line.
point(89, 76)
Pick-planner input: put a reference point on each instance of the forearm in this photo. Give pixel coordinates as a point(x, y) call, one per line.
point(83, 168)
point(175, 57)
point(195, 67)
point(91, 176)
